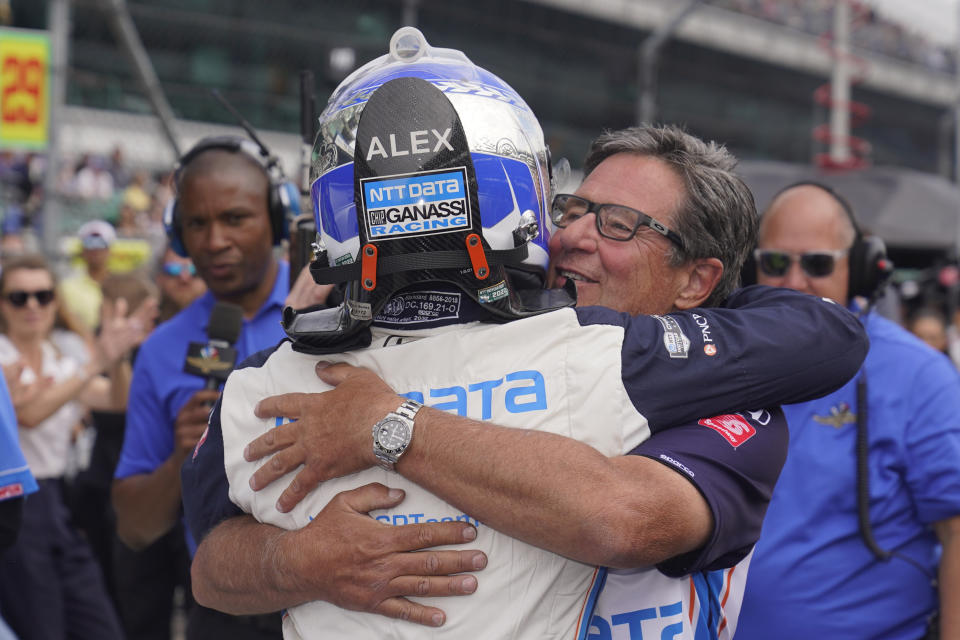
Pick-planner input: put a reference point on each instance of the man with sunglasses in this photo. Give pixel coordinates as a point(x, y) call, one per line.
point(846, 554)
point(659, 226)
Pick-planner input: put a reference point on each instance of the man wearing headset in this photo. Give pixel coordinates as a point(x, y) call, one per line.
point(845, 555)
point(225, 219)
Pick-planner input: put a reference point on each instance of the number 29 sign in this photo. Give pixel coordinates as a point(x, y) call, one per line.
point(24, 88)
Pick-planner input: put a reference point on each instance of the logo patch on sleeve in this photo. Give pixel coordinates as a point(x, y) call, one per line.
point(11, 491)
point(416, 203)
point(200, 442)
point(676, 343)
point(734, 428)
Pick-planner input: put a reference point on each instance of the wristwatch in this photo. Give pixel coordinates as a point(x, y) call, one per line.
point(392, 435)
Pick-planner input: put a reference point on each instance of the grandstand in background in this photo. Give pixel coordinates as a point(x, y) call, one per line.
point(739, 71)
point(742, 72)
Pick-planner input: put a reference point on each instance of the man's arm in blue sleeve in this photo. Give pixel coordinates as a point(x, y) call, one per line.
point(766, 346)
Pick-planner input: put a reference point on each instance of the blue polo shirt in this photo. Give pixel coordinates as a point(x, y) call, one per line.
point(160, 387)
point(812, 576)
point(15, 477)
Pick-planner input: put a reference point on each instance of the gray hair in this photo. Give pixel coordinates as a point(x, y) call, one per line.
point(717, 217)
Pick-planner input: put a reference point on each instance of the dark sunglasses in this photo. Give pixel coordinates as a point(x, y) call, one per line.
point(175, 269)
point(816, 264)
point(20, 298)
point(614, 221)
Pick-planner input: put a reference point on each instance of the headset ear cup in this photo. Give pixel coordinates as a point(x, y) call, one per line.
point(276, 210)
point(873, 266)
point(748, 272)
point(284, 207)
point(171, 224)
point(857, 265)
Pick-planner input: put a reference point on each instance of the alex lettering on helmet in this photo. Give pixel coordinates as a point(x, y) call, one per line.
point(425, 141)
point(517, 392)
point(416, 203)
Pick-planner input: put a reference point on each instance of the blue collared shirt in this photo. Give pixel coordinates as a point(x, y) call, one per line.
point(160, 387)
point(812, 575)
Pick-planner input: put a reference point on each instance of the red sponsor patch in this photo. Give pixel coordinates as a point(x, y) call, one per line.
point(710, 350)
point(11, 491)
point(734, 429)
point(200, 442)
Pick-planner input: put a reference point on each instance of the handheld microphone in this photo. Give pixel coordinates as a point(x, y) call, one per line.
point(215, 359)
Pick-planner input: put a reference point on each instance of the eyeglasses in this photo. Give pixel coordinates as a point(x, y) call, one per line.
point(175, 269)
point(614, 221)
point(20, 298)
point(816, 264)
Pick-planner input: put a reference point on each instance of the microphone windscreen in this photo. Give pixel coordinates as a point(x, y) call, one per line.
point(226, 321)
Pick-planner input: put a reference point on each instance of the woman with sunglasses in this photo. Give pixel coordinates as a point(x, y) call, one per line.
point(50, 583)
point(178, 282)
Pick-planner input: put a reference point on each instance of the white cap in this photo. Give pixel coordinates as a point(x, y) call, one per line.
point(97, 234)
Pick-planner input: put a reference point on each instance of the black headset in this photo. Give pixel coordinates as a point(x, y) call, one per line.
point(283, 197)
point(869, 266)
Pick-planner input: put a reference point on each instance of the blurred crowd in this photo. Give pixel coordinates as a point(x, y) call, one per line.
point(870, 31)
point(70, 326)
point(91, 186)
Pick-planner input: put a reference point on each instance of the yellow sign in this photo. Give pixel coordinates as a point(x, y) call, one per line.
point(24, 88)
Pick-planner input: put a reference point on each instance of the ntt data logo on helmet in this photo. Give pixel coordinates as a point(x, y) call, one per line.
point(416, 203)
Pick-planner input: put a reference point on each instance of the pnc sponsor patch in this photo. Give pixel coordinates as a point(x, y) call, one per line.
point(416, 203)
point(734, 428)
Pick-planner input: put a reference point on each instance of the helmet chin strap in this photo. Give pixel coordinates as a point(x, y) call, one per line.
point(387, 265)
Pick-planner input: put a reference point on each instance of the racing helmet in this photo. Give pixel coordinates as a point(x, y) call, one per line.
point(428, 168)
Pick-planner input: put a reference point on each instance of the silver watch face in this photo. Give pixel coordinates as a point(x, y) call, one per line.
point(393, 435)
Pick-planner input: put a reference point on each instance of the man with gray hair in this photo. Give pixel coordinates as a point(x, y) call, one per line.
point(671, 225)
point(714, 212)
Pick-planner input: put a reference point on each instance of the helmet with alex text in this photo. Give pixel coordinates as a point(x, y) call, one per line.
point(427, 168)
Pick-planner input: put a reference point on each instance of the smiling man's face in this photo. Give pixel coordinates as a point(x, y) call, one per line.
point(633, 276)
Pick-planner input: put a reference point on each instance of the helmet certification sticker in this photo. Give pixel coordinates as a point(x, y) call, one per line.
point(494, 293)
point(360, 310)
point(415, 204)
point(420, 306)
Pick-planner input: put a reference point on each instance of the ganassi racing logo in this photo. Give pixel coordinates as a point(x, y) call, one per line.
point(416, 203)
